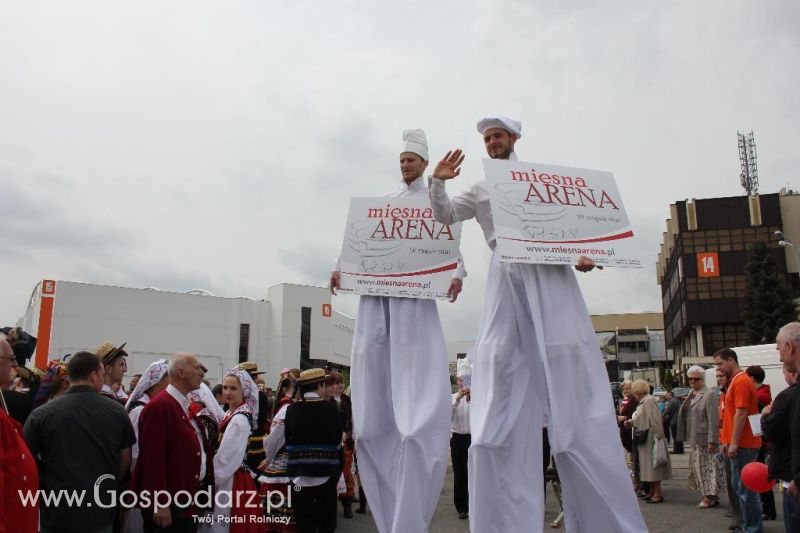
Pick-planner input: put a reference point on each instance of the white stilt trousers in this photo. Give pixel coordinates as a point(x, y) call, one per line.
point(536, 356)
point(401, 409)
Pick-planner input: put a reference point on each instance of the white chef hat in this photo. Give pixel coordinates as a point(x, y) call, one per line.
point(509, 124)
point(416, 143)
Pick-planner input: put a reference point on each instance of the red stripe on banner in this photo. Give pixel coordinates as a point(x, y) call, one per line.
point(445, 268)
point(625, 235)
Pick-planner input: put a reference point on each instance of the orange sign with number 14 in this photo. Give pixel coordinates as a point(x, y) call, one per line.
point(708, 265)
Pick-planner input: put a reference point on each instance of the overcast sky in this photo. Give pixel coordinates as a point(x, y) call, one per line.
point(215, 145)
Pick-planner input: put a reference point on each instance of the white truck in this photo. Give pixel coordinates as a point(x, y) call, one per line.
point(763, 355)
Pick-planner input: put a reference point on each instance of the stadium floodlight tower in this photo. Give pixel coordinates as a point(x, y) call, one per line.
point(747, 160)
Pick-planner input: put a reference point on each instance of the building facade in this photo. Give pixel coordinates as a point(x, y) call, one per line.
point(701, 268)
point(627, 341)
point(293, 327)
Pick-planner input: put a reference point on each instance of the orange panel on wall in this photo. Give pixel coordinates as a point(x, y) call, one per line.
point(708, 265)
point(45, 323)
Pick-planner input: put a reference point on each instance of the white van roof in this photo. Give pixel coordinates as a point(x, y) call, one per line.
point(766, 356)
point(763, 355)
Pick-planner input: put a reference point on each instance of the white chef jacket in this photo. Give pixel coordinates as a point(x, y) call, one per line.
point(473, 203)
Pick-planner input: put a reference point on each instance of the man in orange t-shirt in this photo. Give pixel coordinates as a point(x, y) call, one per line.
point(736, 437)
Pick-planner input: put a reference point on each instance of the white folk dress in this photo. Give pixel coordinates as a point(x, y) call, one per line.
point(536, 357)
point(401, 403)
point(134, 415)
point(227, 460)
point(135, 522)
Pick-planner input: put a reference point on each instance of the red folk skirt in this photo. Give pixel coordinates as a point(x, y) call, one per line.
point(349, 482)
point(246, 519)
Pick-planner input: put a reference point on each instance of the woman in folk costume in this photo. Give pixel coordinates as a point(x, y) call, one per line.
point(54, 383)
point(345, 406)
point(400, 356)
point(152, 381)
point(231, 474)
point(278, 485)
point(208, 414)
point(536, 361)
point(286, 389)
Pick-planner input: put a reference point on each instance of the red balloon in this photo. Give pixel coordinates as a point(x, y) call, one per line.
point(754, 476)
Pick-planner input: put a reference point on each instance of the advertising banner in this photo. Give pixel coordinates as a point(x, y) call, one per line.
point(394, 247)
point(658, 348)
point(547, 214)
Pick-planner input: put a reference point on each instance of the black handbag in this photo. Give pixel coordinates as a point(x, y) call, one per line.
point(640, 436)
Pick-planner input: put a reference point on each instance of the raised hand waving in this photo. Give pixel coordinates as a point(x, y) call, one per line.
point(450, 165)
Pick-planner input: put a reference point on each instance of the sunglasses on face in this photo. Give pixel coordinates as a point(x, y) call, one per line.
point(695, 379)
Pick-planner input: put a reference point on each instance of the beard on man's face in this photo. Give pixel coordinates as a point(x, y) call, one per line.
point(501, 152)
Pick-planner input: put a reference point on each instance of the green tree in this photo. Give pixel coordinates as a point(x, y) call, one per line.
point(661, 372)
point(768, 304)
point(669, 381)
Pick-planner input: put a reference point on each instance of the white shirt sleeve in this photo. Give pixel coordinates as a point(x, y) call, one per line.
point(273, 444)
point(454, 404)
point(134, 415)
point(232, 449)
point(459, 419)
point(460, 272)
point(274, 441)
point(447, 211)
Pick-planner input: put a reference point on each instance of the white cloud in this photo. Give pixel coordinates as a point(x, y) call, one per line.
point(217, 144)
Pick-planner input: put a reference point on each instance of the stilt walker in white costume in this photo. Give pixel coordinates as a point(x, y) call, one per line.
point(536, 359)
point(401, 388)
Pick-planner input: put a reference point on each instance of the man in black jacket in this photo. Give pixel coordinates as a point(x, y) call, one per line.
point(788, 344)
point(83, 441)
point(670, 416)
point(775, 423)
point(314, 445)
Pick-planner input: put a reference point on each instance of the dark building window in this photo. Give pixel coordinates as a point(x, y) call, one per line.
point(632, 347)
point(305, 334)
point(244, 341)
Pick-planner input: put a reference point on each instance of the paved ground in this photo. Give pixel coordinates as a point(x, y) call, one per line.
point(676, 515)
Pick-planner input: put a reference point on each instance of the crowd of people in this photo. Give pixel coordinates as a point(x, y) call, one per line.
point(74, 427)
point(170, 453)
point(712, 422)
point(173, 454)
